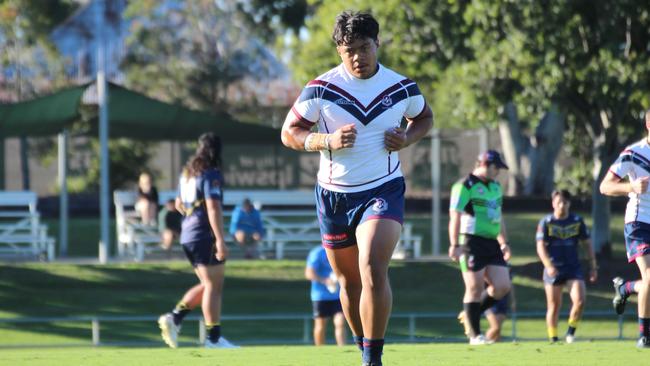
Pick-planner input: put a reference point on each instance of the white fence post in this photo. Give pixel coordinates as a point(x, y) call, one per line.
point(95, 328)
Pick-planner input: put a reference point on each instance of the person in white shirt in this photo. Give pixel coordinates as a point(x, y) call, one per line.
point(358, 108)
point(634, 164)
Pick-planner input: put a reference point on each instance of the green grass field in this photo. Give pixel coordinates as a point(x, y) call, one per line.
point(529, 353)
point(278, 287)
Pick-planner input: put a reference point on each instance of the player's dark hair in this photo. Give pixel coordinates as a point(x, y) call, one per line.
point(562, 193)
point(207, 155)
point(350, 26)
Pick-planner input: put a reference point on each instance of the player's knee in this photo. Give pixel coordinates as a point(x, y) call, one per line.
point(373, 276)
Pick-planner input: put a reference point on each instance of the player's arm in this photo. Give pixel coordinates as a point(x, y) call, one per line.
point(502, 238)
point(416, 128)
point(612, 185)
point(297, 135)
point(593, 265)
point(454, 231)
point(542, 253)
point(215, 217)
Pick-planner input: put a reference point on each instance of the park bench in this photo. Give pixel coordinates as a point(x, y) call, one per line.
point(289, 219)
point(21, 232)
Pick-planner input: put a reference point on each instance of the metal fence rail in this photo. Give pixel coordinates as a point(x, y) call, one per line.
point(306, 338)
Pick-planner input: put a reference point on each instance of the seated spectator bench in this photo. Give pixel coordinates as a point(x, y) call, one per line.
point(289, 219)
point(21, 232)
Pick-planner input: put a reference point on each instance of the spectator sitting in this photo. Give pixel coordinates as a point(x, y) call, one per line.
point(147, 203)
point(247, 228)
point(169, 224)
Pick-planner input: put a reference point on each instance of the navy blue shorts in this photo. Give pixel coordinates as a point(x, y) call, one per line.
point(201, 252)
point(339, 214)
point(326, 308)
point(637, 240)
point(563, 275)
point(501, 307)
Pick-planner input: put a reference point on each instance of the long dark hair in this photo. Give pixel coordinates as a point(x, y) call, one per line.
point(207, 155)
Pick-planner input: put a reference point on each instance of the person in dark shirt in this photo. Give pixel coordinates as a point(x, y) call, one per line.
point(147, 202)
point(200, 200)
point(558, 237)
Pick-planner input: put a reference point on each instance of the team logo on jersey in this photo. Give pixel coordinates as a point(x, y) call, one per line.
point(386, 101)
point(480, 190)
point(343, 101)
point(380, 205)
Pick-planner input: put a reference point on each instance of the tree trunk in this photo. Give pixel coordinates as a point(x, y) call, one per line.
point(600, 210)
point(546, 147)
point(515, 146)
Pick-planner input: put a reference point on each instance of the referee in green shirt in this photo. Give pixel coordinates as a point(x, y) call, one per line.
point(477, 239)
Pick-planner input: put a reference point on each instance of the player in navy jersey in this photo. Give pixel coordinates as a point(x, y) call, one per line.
point(202, 237)
point(629, 175)
point(358, 108)
point(558, 237)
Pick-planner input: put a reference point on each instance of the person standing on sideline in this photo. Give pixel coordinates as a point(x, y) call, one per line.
point(558, 237)
point(247, 228)
point(358, 108)
point(200, 200)
point(634, 164)
point(477, 239)
point(324, 296)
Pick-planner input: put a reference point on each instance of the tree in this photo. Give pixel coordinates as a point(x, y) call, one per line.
point(196, 53)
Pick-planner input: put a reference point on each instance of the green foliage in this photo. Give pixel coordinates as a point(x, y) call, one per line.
point(190, 54)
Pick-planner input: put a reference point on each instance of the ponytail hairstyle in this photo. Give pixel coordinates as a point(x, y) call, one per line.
point(207, 155)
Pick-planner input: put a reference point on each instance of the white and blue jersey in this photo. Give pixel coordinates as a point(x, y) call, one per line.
point(634, 163)
point(374, 105)
point(317, 260)
point(193, 191)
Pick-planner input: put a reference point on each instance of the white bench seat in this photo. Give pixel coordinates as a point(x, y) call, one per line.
point(21, 232)
point(294, 228)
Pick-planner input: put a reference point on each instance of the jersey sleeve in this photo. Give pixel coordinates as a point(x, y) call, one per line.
point(541, 233)
point(584, 230)
point(307, 106)
point(415, 101)
point(623, 164)
point(459, 197)
point(212, 182)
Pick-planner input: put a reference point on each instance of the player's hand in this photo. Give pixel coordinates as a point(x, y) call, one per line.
point(505, 248)
point(343, 138)
point(640, 186)
point(593, 275)
point(455, 252)
point(395, 139)
point(551, 271)
point(222, 251)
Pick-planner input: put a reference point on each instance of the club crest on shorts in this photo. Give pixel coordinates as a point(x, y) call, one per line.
point(380, 205)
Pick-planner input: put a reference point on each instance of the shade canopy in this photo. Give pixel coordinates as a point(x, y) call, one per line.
point(42, 116)
point(131, 115)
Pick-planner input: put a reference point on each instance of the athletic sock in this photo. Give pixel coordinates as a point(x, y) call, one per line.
point(473, 315)
point(359, 341)
point(487, 302)
point(180, 311)
point(573, 324)
point(372, 350)
point(213, 331)
point(644, 327)
point(627, 289)
point(552, 334)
